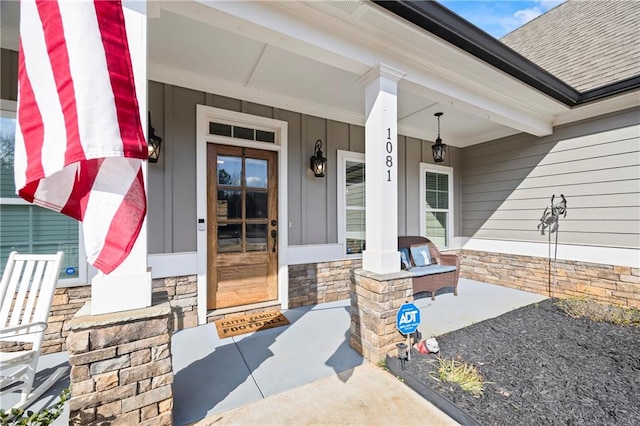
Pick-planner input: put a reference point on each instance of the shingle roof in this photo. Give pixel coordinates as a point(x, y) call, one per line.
point(585, 43)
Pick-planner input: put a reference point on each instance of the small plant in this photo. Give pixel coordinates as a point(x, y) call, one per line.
point(465, 375)
point(20, 417)
point(582, 307)
point(382, 364)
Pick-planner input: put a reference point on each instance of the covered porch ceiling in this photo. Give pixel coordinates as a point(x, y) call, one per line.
point(309, 56)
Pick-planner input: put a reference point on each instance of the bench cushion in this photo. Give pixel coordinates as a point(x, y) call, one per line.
point(421, 255)
point(420, 271)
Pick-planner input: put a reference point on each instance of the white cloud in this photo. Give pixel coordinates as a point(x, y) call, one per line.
point(522, 16)
point(525, 15)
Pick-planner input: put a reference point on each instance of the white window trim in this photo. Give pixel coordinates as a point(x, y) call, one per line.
point(342, 158)
point(425, 167)
point(8, 108)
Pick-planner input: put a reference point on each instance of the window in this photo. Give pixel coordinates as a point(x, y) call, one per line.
point(23, 226)
point(351, 202)
point(436, 203)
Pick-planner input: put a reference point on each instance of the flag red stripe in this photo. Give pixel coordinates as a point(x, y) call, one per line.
point(114, 39)
point(49, 12)
point(126, 222)
point(31, 126)
point(79, 197)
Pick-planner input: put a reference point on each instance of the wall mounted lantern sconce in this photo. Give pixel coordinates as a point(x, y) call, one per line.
point(439, 149)
point(318, 162)
point(154, 143)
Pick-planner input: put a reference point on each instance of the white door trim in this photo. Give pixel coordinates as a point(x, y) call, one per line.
point(204, 114)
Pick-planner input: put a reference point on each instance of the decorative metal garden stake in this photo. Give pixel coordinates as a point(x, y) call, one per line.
point(551, 219)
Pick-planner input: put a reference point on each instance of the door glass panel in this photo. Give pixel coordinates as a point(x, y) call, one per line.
point(230, 238)
point(256, 173)
point(256, 237)
point(229, 205)
point(229, 170)
point(257, 205)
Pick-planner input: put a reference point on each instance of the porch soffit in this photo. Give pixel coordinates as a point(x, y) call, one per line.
point(284, 53)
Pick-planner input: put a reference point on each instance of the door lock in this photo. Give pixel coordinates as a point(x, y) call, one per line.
point(274, 235)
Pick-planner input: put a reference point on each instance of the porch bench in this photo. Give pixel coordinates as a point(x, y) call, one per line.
point(430, 273)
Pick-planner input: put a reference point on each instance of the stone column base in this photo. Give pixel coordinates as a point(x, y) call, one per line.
point(121, 369)
point(375, 300)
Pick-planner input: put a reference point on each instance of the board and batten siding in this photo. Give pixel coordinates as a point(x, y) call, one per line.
point(508, 183)
point(312, 206)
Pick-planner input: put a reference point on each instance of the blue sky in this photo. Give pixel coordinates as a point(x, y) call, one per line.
point(499, 17)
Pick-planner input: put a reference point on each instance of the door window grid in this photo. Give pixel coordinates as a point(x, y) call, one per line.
point(242, 205)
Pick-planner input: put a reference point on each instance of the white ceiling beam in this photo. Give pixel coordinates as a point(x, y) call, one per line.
point(255, 66)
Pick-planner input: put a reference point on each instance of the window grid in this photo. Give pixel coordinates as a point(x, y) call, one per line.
point(436, 204)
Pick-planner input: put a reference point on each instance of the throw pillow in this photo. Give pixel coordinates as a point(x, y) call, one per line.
point(421, 255)
point(404, 258)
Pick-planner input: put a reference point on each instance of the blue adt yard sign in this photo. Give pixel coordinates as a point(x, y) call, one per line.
point(408, 318)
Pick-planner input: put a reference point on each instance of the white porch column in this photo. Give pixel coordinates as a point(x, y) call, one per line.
point(381, 135)
point(129, 285)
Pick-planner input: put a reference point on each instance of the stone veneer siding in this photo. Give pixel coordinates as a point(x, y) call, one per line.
point(608, 283)
point(183, 298)
point(66, 302)
point(314, 283)
point(121, 370)
point(375, 300)
point(181, 291)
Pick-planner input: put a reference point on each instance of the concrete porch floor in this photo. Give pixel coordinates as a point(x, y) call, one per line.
point(306, 373)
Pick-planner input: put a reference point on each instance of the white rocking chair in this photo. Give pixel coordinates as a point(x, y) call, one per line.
point(26, 295)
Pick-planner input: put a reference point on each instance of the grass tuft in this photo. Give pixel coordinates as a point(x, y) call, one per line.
point(461, 373)
point(583, 307)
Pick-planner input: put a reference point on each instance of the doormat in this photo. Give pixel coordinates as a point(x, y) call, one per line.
point(234, 326)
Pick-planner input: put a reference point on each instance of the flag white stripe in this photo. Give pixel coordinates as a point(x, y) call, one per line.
point(105, 199)
point(96, 114)
point(44, 88)
point(57, 188)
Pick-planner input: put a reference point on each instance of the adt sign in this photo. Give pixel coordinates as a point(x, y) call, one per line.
point(408, 318)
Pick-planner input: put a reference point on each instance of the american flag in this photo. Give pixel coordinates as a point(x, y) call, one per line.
point(79, 139)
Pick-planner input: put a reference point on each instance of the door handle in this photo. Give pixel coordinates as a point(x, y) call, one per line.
point(274, 235)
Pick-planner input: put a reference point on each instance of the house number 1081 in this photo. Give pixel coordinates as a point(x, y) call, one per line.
point(389, 158)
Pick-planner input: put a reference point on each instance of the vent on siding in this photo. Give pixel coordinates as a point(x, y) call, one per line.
point(349, 7)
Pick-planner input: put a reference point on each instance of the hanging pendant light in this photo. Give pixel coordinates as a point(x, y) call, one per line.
point(439, 149)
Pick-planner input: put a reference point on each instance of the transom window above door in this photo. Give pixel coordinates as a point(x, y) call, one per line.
point(241, 132)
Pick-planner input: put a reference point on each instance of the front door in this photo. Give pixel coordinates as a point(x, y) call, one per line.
point(242, 200)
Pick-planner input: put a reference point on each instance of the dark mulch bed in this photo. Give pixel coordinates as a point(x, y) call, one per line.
point(543, 367)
